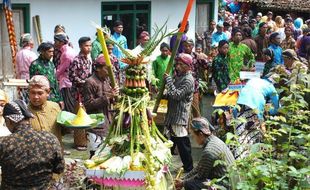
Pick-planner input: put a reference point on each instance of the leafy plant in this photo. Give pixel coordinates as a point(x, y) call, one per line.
point(282, 160)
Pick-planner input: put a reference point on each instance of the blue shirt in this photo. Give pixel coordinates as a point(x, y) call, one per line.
point(256, 92)
point(120, 39)
point(277, 50)
point(217, 37)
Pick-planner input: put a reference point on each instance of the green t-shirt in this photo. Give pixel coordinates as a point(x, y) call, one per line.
point(159, 67)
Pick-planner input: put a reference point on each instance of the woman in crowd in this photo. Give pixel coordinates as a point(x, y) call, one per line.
point(252, 100)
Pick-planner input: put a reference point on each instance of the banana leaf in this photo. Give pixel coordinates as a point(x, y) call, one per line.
point(64, 118)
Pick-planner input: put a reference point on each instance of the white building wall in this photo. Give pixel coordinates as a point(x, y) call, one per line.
point(77, 15)
point(172, 10)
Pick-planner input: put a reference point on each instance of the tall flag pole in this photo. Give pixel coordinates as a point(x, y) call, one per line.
point(174, 51)
point(7, 7)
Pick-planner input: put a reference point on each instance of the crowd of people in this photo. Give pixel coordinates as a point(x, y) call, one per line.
point(61, 79)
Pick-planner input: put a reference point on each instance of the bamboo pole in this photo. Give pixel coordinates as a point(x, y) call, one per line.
point(106, 56)
point(37, 17)
point(174, 51)
point(35, 24)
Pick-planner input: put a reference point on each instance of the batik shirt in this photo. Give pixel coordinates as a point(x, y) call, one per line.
point(220, 72)
point(47, 68)
point(28, 158)
point(238, 56)
point(80, 70)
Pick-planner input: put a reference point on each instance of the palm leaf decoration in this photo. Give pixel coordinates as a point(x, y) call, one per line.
point(159, 34)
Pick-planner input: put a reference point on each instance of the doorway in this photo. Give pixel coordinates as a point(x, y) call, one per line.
point(134, 15)
point(21, 20)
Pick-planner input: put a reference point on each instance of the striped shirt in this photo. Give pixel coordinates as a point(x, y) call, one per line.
point(214, 149)
point(180, 96)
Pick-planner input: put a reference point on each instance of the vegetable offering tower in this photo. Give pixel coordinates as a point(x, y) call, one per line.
point(134, 143)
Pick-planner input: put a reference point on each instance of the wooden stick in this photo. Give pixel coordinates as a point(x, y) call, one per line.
point(174, 51)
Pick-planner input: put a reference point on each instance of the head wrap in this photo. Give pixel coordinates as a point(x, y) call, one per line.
point(259, 14)
point(203, 125)
point(16, 111)
point(39, 80)
point(25, 39)
point(100, 60)
point(44, 46)
point(164, 45)
point(62, 37)
point(298, 22)
point(185, 58)
point(3, 96)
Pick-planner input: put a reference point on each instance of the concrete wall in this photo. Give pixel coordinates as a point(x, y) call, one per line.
point(77, 15)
